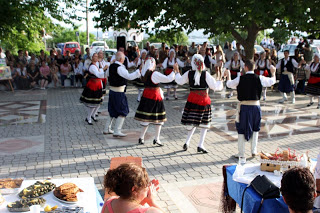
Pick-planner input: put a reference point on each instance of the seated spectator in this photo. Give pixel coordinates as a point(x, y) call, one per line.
point(77, 55)
point(66, 72)
point(34, 59)
point(20, 77)
point(54, 73)
point(26, 56)
point(42, 57)
point(44, 75)
point(78, 71)
point(298, 190)
point(131, 183)
point(21, 58)
point(87, 55)
point(33, 73)
point(2, 55)
point(9, 57)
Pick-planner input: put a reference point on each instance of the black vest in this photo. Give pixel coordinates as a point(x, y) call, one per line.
point(317, 72)
point(289, 65)
point(203, 84)
point(207, 61)
point(125, 63)
point(169, 66)
point(235, 69)
point(147, 80)
point(115, 79)
point(265, 65)
point(249, 88)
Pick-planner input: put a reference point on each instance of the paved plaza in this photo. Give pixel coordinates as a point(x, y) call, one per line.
point(43, 134)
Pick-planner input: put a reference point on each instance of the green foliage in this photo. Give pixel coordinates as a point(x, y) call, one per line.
point(62, 35)
point(111, 43)
point(170, 37)
point(280, 35)
point(215, 17)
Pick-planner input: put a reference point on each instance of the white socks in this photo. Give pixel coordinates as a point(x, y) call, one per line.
point(96, 111)
point(175, 92)
point(264, 93)
point(190, 133)
point(143, 132)
point(202, 137)
point(139, 94)
point(157, 135)
point(90, 112)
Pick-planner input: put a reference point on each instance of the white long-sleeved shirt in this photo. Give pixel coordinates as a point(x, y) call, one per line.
point(312, 68)
point(130, 64)
point(265, 82)
point(235, 65)
point(171, 63)
point(95, 71)
point(261, 63)
point(102, 64)
point(123, 72)
point(158, 77)
point(212, 83)
point(294, 62)
point(79, 69)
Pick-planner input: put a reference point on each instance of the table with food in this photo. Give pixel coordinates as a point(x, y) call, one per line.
point(272, 165)
point(73, 195)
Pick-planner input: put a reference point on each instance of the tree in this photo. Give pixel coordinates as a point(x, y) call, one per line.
point(170, 37)
point(215, 17)
point(62, 35)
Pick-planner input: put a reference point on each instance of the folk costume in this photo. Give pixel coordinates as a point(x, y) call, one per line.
point(197, 111)
point(286, 83)
point(313, 87)
point(235, 65)
point(168, 66)
point(248, 119)
point(263, 68)
point(92, 94)
point(138, 82)
point(151, 109)
point(118, 105)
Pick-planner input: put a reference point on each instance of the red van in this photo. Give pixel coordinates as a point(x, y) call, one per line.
point(72, 47)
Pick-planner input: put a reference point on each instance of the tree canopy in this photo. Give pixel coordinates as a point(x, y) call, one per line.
point(62, 35)
point(215, 17)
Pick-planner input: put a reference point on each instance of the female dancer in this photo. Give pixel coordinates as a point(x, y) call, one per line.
point(235, 65)
point(151, 108)
point(197, 111)
point(313, 87)
point(262, 68)
point(92, 94)
point(168, 66)
point(138, 81)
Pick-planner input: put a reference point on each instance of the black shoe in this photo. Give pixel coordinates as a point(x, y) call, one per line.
point(155, 142)
point(176, 98)
point(310, 104)
point(97, 115)
point(99, 112)
point(141, 141)
point(88, 122)
point(185, 147)
point(167, 99)
point(318, 107)
point(95, 120)
point(202, 150)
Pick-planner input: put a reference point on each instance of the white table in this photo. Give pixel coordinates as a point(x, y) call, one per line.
point(86, 199)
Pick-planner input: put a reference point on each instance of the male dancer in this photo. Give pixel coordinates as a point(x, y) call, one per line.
point(118, 105)
point(248, 120)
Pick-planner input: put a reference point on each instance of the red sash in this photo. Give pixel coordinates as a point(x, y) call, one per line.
point(168, 71)
point(314, 80)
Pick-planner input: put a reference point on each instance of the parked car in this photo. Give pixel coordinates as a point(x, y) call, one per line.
point(291, 48)
point(131, 43)
point(109, 53)
point(98, 45)
point(61, 47)
point(259, 49)
point(72, 47)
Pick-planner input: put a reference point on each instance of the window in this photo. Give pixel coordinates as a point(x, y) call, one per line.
point(71, 45)
point(98, 44)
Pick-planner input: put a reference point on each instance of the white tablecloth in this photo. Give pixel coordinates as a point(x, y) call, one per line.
point(86, 199)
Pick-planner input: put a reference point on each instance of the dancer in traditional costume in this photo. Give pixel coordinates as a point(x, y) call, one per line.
point(127, 64)
point(262, 68)
point(313, 87)
point(286, 83)
point(168, 66)
point(151, 108)
point(92, 94)
point(197, 111)
point(249, 87)
point(235, 65)
point(118, 105)
point(138, 82)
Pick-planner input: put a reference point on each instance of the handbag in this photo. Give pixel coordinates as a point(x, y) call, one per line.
point(264, 187)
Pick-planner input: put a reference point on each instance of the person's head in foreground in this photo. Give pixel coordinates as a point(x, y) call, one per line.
point(249, 65)
point(131, 183)
point(298, 190)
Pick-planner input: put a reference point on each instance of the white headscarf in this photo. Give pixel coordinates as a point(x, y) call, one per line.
point(316, 54)
point(149, 64)
point(174, 53)
point(197, 64)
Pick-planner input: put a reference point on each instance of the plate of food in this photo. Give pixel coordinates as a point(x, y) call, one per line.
point(10, 186)
point(24, 204)
point(67, 193)
point(37, 189)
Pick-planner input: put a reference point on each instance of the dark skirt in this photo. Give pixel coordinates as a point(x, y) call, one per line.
point(313, 86)
point(47, 79)
point(285, 84)
point(151, 107)
point(92, 93)
point(172, 84)
point(249, 121)
point(197, 111)
point(138, 83)
point(118, 104)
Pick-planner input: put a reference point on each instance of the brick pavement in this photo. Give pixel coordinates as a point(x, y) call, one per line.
point(70, 148)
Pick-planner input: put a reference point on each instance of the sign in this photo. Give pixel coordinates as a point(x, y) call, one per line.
point(3, 62)
point(5, 73)
point(77, 33)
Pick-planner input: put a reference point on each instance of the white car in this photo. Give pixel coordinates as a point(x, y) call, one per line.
point(96, 46)
point(291, 48)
